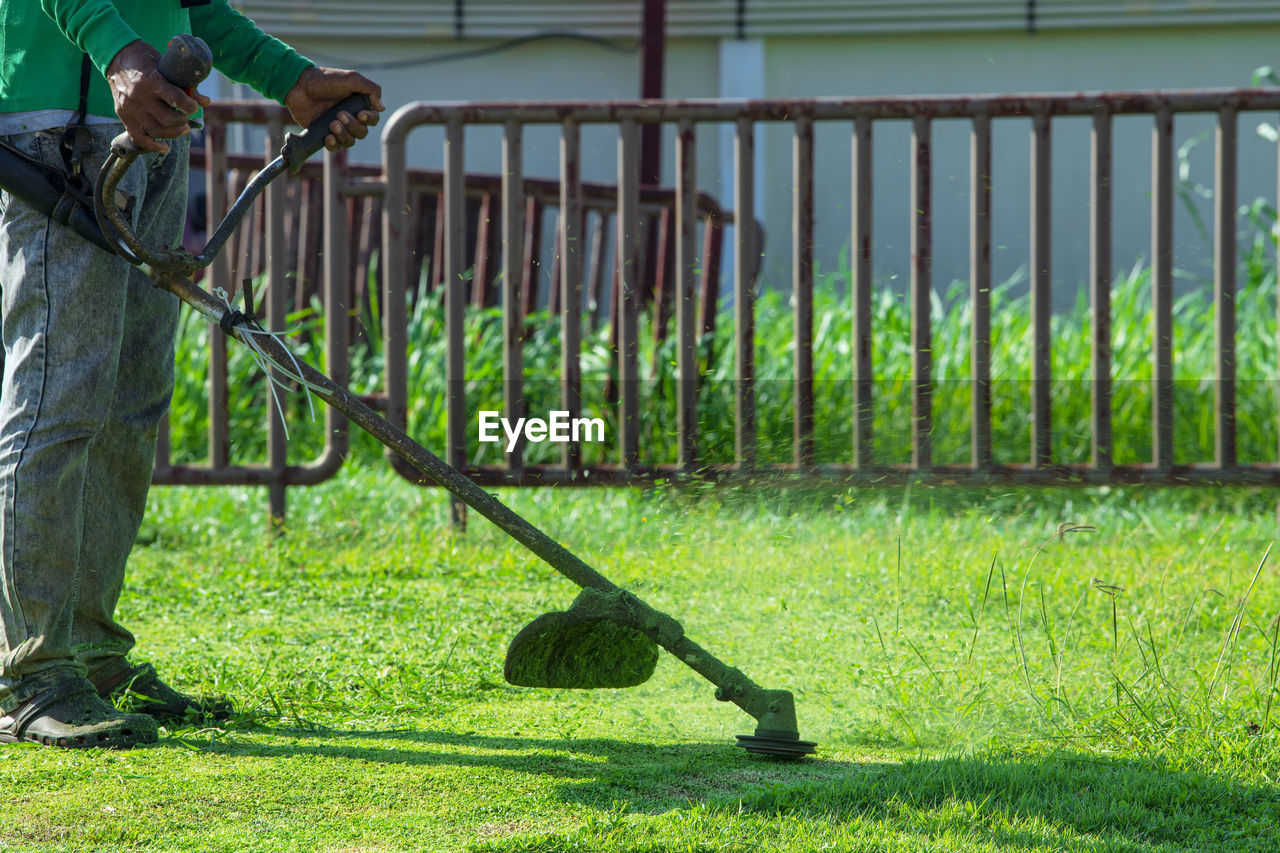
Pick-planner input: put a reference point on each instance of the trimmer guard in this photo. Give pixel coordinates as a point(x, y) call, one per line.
point(584, 647)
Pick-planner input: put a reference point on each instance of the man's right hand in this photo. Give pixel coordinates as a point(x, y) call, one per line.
point(150, 106)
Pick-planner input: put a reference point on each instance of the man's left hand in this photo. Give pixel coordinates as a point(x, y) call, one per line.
point(318, 89)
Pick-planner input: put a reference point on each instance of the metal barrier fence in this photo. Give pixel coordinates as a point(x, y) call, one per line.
point(336, 207)
point(688, 208)
point(277, 473)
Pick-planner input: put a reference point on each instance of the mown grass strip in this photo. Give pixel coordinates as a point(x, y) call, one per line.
point(364, 650)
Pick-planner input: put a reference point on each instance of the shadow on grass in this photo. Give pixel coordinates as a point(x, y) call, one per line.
point(1051, 802)
point(1043, 801)
point(1001, 801)
point(599, 772)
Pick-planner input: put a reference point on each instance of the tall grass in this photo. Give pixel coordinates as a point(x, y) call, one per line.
point(1135, 661)
point(774, 345)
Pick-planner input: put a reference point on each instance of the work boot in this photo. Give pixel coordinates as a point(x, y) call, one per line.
point(139, 689)
point(69, 714)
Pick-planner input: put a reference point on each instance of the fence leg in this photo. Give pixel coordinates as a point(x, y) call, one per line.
point(276, 506)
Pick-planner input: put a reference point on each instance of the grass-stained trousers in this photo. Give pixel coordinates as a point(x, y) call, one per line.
point(88, 375)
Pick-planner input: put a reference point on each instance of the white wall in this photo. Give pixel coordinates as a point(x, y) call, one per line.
point(1013, 62)
point(539, 71)
point(1054, 61)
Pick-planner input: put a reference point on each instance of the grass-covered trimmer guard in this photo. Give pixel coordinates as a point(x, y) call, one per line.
point(608, 637)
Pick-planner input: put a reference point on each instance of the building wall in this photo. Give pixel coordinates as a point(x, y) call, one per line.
point(896, 63)
point(1049, 61)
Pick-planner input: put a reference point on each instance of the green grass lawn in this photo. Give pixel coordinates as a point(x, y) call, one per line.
point(975, 680)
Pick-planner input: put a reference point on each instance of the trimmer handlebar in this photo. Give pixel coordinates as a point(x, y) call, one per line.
point(298, 147)
point(185, 63)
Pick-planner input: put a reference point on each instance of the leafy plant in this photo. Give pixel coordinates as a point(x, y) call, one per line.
point(774, 387)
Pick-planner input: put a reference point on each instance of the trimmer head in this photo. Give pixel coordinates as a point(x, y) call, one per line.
point(776, 744)
point(582, 647)
point(609, 638)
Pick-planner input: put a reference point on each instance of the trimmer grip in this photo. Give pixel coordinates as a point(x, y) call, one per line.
point(298, 147)
point(123, 146)
point(186, 62)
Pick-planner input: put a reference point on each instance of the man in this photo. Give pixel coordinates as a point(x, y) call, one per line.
point(88, 369)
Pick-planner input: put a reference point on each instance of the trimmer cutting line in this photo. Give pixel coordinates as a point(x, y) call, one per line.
point(608, 637)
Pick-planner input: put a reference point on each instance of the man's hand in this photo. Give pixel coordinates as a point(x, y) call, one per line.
point(318, 89)
point(150, 106)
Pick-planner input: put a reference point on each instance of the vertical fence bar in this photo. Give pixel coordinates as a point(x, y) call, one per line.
point(708, 298)
point(277, 448)
point(745, 263)
point(1224, 289)
point(1041, 292)
point(395, 253)
point(662, 242)
point(481, 272)
point(437, 248)
point(337, 327)
point(686, 299)
point(513, 225)
point(532, 258)
point(712, 248)
point(1100, 214)
point(980, 291)
point(571, 283)
point(219, 277)
point(1162, 291)
point(921, 293)
point(596, 307)
point(455, 299)
point(802, 290)
point(304, 244)
point(863, 379)
point(628, 258)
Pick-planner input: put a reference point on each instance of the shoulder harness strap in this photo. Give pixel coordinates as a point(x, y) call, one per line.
point(76, 140)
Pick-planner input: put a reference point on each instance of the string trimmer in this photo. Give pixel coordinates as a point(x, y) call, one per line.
point(608, 637)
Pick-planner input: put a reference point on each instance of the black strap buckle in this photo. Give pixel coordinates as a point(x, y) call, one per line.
point(76, 139)
point(77, 142)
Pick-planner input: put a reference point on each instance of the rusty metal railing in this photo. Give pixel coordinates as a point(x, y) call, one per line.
point(861, 117)
point(695, 286)
point(327, 224)
point(277, 473)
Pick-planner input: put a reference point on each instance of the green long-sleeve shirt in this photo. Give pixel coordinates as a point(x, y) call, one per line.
point(42, 45)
